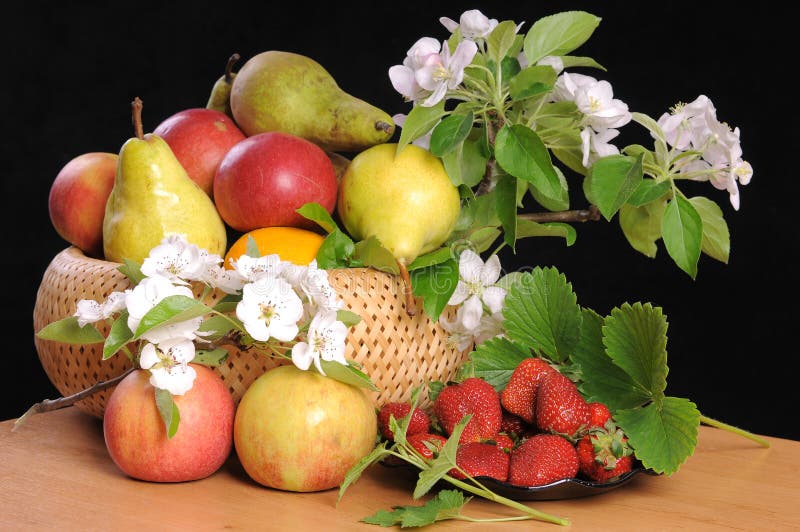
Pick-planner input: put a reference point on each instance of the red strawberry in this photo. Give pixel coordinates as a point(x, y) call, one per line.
point(519, 395)
point(600, 415)
point(419, 439)
point(513, 425)
point(420, 422)
point(542, 459)
point(560, 408)
point(472, 396)
point(481, 460)
point(504, 442)
point(604, 454)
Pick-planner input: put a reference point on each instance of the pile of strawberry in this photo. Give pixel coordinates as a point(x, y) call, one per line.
point(538, 429)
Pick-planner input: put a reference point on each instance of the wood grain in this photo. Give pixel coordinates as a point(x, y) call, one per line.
point(55, 473)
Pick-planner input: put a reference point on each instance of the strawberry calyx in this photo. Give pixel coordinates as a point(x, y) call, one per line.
point(609, 444)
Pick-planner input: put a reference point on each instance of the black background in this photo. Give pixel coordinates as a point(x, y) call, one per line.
point(71, 71)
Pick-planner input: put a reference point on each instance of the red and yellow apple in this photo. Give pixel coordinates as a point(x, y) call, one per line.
point(77, 201)
point(300, 431)
point(200, 138)
point(264, 179)
point(136, 437)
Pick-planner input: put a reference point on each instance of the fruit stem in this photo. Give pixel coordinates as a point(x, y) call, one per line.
point(411, 304)
point(137, 118)
point(54, 404)
point(232, 60)
point(380, 125)
point(488, 494)
point(736, 430)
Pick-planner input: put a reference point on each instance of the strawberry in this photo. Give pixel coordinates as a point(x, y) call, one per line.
point(472, 396)
point(513, 425)
point(422, 441)
point(519, 395)
point(560, 408)
point(542, 459)
point(504, 442)
point(481, 460)
point(604, 454)
point(600, 415)
point(420, 422)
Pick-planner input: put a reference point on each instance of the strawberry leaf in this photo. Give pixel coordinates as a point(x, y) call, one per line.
point(663, 433)
point(446, 504)
point(443, 463)
point(495, 360)
point(542, 313)
point(378, 453)
point(608, 383)
point(635, 337)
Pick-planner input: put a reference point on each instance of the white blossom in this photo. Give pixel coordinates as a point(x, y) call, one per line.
point(460, 336)
point(229, 281)
point(490, 326)
point(596, 101)
point(90, 311)
point(474, 25)
point(168, 365)
point(326, 341)
point(270, 308)
point(252, 268)
point(146, 295)
point(444, 71)
point(402, 77)
point(568, 84)
point(686, 123)
point(317, 288)
point(174, 258)
point(476, 288)
point(595, 144)
point(553, 61)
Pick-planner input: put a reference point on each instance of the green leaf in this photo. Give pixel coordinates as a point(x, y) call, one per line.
point(168, 410)
point(483, 238)
point(520, 152)
point(435, 284)
point(319, 214)
point(378, 453)
point(663, 434)
point(559, 34)
point(118, 336)
point(465, 164)
point(68, 331)
point(171, 309)
point(496, 359)
point(571, 156)
point(682, 231)
point(132, 270)
point(348, 317)
point(571, 61)
point(509, 67)
point(509, 280)
point(658, 133)
point(649, 190)
point(541, 312)
point(480, 212)
point(613, 180)
point(215, 327)
point(348, 374)
point(642, 226)
point(558, 203)
point(635, 337)
point(251, 249)
point(500, 41)
point(336, 251)
point(371, 253)
point(444, 505)
point(602, 380)
point(211, 358)
point(532, 81)
point(506, 203)
point(228, 303)
point(430, 259)
point(716, 242)
point(420, 120)
point(450, 133)
point(443, 463)
point(527, 228)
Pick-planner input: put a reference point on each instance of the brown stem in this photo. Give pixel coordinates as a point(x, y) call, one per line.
point(62, 402)
point(137, 118)
point(232, 60)
point(582, 215)
point(411, 304)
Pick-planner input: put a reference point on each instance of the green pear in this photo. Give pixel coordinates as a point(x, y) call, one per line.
point(220, 97)
point(292, 93)
point(154, 197)
point(405, 200)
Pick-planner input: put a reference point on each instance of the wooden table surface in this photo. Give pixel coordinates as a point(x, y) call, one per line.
point(55, 473)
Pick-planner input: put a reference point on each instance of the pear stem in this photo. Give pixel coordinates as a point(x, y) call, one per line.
point(411, 304)
point(137, 118)
point(232, 60)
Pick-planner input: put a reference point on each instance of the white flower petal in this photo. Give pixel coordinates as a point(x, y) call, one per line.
point(301, 355)
point(471, 312)
point(88, 311)
point(470, 266)
point(148, 357)
point(494, 297)
point(490, 272)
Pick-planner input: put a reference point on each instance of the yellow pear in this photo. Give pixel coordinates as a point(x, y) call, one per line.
point(220, 97)
point(405, 200)
point(154, 197)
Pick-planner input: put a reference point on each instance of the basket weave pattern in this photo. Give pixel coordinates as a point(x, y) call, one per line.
point(397, 351)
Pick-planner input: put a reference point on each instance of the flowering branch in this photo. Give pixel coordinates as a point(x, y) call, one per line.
point(592, 214)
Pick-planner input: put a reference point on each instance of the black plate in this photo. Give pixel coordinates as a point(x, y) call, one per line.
point(568, 488)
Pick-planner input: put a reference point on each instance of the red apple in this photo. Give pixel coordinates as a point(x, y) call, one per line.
point(200, 138)
point(299, 431)
point(265, 178)
point(136, 437)
point(77, 201)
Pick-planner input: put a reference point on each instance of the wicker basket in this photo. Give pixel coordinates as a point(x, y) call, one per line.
point(397, 351)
